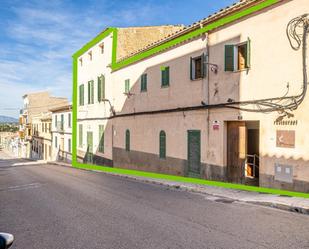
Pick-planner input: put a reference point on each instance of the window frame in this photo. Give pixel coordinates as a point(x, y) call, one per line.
point(203, 70)
point(162, 144)
point(165, 77)
point(234, 56)
point(144, 82)
point(101, 138)
point(127, 140)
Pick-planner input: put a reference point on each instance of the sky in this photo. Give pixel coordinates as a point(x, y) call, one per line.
point(38, 37)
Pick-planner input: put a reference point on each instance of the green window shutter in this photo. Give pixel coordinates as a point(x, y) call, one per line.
point(92, 92)
point(204, 65)
point(162, 149)
point(127, 138)
point(56, 142)
point(103, 87)
point(89, 92)
point(80, 135)
point(127, 86)
point(56, 121)
point(69, 119)
point(248, 53)
point(62, 122)
point(99, 89)
point(229, 58)
point(165, 72)
point(101, 138)
point(81, 95)
point(69, 145)
point(191, 68)
point(144, 83)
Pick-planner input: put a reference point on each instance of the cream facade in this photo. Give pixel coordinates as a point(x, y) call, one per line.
point(62, 133)
point(182, 118)
point(96, 90)
point(34, 104)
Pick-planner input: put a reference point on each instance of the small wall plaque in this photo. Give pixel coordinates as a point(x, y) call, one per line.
point(285, 139)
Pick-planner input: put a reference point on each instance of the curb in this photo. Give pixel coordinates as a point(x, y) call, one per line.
point(200, 190)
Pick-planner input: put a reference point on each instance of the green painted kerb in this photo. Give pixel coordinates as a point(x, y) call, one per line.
point(189, 180)
point(143, 55)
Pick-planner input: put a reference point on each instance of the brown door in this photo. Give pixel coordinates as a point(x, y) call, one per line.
point(236, 150)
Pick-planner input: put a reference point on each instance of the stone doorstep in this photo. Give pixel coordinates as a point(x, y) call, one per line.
point(293, 204)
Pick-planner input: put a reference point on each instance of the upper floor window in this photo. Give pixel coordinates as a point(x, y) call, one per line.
point(127, 86)
point(237, 57)
point(69, 120)
point(144, 82)
point(102, 48)
point(90, 92)
point(101, 88)
point(90, 55)
point(165, 76)
point(81, 95)
point(80, 61)
point(56, 120)
point(62, 122)
point(197, 67)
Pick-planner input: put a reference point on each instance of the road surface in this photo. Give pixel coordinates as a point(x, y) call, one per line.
point(48, 206)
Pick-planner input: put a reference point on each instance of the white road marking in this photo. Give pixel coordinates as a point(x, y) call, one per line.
point(22, 187)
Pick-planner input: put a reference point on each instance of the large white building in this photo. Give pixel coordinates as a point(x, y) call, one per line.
point(222, 99)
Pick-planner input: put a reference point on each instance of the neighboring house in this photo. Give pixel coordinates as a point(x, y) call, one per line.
point(221, 99)
point(34, 105)
point(41, 136)
point(96, 90)
point(62, 133)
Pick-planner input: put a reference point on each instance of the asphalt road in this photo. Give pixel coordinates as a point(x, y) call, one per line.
point(48, 206)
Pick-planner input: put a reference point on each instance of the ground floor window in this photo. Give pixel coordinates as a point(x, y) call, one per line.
point(101, 138)
point(69, 145)
point(127, 139)
point(162, 149)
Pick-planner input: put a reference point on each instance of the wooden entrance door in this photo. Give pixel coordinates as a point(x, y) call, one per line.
point(236, 150)
point(89, 154)
point(194, 153)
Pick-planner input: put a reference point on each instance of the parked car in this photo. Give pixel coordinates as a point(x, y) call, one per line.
point(6, 240)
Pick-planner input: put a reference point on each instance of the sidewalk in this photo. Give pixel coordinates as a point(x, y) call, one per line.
point(294, 204)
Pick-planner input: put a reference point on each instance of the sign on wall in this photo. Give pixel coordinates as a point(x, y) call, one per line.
point(285, 138)
point(215, 125)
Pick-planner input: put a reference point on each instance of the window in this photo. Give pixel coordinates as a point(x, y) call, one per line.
point(101, 88)
point(165, 76)
point(49, 151)
point(162, 148)
point(90, 92)
point(69, 145)
point(90, 55)
point(69, 120)
point(81, 61)
point(237, 57)
point(81, 95)
point(101, 138)
point(197, 67)
point(62, 122)
point(56, 120)
point(127, 140)
point(56, 142)
point(80, 137)
point(144, 82)
point(102, 48)
point(127, 86)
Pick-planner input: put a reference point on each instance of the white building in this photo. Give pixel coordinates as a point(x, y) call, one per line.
point(62, 133)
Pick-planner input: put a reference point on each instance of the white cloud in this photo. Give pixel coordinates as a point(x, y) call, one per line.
point(41, 38)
